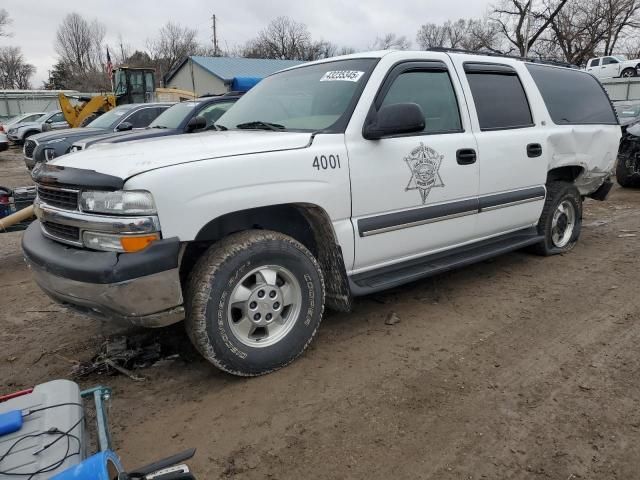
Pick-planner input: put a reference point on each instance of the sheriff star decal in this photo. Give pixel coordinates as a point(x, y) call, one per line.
point(424, 163)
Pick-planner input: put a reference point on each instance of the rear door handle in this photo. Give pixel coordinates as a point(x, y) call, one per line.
point(534, 150)
point(466, 156)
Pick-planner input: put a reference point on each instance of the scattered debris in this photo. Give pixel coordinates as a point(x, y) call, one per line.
point(596, 223)
point(392, 319)
point(124, 355)
point(627, 235)
point(586, 388)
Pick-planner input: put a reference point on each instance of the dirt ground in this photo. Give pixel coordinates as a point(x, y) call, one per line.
point(517, 368)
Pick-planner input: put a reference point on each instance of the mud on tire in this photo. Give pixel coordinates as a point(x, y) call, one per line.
point(553, 221)
point(233, 286)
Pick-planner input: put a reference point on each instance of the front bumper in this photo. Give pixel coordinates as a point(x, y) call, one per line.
point(139, 288)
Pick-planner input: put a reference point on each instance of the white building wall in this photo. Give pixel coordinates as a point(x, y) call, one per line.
point(204, 81)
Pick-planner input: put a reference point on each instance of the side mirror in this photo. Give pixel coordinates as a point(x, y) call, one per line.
point(124, 127)
point(49, 121)
point(395, 119)
point(196, 123)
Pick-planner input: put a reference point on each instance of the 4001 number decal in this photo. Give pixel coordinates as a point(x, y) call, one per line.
point(325, 162)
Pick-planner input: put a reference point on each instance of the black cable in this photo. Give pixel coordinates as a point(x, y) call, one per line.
point(53, 431)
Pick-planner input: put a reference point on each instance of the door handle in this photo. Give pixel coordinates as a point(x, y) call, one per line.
point(534, 150)
point(466, 156)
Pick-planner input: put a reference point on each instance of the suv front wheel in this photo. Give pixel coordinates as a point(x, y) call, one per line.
point(561, 219)
point(254, 302)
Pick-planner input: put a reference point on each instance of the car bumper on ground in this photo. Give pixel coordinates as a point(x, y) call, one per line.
point(139, 288)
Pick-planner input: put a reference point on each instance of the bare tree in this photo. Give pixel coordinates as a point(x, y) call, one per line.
point(391, 41)
point(619, 15)
point(14, 71)
point(521, 25)
point(5, 21)
point(80, 43)
point(471, 34)
point(283, 38)
point(173, 43)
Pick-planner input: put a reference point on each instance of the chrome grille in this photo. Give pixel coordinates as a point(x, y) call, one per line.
point(63, 232)
point(29, 147)
point(59, 197)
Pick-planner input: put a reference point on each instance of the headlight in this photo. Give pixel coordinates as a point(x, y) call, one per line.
point(11, 131)
point(118, 243)
point(49, 154)
point(121, 202)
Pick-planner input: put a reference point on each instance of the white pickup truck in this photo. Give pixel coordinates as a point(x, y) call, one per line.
point(326, 181)
point(613, 66)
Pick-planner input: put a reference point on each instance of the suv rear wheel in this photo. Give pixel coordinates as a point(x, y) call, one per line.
point(561, 219)
point(254, 302)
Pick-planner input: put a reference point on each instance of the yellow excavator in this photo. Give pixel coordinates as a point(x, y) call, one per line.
point(131, 85)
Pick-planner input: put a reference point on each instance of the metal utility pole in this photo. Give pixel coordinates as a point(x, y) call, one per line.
point(215, 36)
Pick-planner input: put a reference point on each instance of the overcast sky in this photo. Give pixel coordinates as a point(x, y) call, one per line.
point(345, 23)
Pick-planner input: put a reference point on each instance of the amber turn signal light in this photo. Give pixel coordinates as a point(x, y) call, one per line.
point(137, 243)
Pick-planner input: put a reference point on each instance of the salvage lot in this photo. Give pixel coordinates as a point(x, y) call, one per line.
point(518, 367)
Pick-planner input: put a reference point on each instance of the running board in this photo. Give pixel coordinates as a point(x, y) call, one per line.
point(395, 275)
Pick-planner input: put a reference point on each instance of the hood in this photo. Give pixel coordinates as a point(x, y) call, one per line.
point(119, 137)
point(15, 126)
point(68, 133)
point(132, 158)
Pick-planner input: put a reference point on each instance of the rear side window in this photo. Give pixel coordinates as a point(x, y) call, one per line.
point(499, 98)
point(609, 61)
point(595, 62)
point(572, 97)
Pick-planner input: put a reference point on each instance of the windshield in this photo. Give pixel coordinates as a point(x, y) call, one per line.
point(109, 119)
point(304, 99)
point(173, 116)
point(626, 111)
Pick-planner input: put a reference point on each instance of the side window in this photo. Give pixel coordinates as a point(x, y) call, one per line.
point(499, 97)
point(213, 112)
point(58, 117)
point(143, 117)
point(609, 61)
point(433, 91)
point(32, 118)
point(564, 91)
point(595, 62)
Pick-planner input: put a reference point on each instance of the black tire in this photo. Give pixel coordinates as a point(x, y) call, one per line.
point(557, 193)
point(213, 282)
point(28, 134)
point(630, 72)
point(625, 175)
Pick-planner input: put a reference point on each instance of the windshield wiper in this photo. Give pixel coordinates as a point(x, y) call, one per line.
point(158, 126)
point(217, 126)
point(260, 125)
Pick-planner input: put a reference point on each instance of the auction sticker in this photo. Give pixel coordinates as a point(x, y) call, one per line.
point(342, 76)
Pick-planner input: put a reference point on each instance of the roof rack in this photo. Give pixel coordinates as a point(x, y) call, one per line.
point(503, 55)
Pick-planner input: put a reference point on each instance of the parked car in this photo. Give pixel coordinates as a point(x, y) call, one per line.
point(49, 145)
point(22, 118)
point(613, 66)
point(4, 142)
point(326, 181)
point(628, 112)
point(184, 117)
point(19, 132)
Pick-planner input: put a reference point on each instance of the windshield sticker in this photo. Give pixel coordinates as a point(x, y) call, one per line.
point(342, 76)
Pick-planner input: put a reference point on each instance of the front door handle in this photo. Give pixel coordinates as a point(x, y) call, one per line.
point(466, 156)
point(534, 150)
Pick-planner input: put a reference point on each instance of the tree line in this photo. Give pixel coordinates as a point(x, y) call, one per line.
point(15, 72)
point(570, 31)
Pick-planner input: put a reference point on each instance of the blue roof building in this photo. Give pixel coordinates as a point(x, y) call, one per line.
point(217, 75)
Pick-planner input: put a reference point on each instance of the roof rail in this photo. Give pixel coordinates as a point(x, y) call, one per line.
point(503, 55)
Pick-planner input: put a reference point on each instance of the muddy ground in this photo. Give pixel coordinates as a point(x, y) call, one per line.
point(517, 368)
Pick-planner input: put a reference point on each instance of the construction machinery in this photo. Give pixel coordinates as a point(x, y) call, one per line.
point(130, 85)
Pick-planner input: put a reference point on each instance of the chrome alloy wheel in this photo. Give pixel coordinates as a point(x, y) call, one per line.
point(264, 306)
point(563, 224)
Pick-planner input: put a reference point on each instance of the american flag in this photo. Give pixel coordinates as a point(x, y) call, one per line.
point(109, 65)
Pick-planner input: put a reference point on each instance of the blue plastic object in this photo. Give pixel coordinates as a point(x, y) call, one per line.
point(10, 422)
point(244, 84)
point(101, 466)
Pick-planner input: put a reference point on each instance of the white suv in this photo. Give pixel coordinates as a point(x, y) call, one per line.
point(330, 180)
